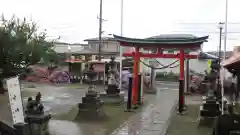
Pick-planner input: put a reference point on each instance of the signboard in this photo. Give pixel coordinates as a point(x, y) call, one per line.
point(15, 100)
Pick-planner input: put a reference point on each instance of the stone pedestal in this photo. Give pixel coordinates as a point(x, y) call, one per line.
point(210, 108)
point(227, 124)
point(21, 129)
point(117, 98)
point(38, 124)
point(112, 95)
point(91, 107)
point(112, 89)
point(150, 88)
point(36, 118)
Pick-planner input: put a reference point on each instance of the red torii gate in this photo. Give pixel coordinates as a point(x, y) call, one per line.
point(180, 43)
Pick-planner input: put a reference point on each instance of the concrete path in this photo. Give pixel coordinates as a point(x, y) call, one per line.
point(154, 118)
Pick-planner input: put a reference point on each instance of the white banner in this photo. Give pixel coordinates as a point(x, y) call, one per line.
point(15, 100)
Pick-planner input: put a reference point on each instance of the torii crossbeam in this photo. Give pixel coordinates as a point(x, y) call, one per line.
point(177, 42)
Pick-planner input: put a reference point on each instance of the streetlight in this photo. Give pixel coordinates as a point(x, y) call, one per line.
point(220, 26)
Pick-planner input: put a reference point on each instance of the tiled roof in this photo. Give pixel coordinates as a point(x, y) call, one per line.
point(90, 51)
point(171, 40)
point(228, 53)
point(205, 55)
point(173, 36)
point(97, 39)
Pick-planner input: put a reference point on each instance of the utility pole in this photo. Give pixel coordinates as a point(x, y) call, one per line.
point(121, 48)
point(100, 32)
point(224, 53)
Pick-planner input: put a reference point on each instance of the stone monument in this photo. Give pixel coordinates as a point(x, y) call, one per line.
point(150, 79)
point(35, 116)
point(112, 93)
point(211, 106)
point(91, 106)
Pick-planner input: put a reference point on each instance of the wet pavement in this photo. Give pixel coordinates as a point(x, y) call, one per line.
point(61, 101)
point(56, 99)
point(155, 117)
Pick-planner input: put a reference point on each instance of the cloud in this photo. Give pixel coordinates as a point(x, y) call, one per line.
point(75, 20)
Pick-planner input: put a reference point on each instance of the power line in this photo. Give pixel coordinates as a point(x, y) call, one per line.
point(234, 32)
point(205, 23)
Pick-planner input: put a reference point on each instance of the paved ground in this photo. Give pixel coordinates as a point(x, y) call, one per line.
point(155, 117)
point(62, 100)
point(187, 124)
point(56, 99)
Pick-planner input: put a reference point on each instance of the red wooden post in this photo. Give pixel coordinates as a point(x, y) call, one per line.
point(135, 75)
point(181, 82)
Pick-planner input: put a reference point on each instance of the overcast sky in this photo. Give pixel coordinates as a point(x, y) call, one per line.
point(76, 20)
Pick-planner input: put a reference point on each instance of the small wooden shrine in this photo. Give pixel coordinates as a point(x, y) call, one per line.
point(79, 62)
point(232, 64)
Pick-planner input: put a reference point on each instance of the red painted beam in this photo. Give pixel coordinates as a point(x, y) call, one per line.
point(188, 56)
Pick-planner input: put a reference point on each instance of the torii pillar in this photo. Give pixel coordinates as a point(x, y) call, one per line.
point(181, 101)
point(135, 75)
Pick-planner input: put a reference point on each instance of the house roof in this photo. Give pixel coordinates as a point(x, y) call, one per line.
point(228, 53)
point(103, 39)
point(64, 43)
point(164, 40)
point(173, 36)
point(233, 60)
point(89, 51)
point(86, 51)
point(205, 55)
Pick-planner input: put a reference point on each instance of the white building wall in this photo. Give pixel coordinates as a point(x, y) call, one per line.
point(194, 64)
point(106, 46)
point(62, 48)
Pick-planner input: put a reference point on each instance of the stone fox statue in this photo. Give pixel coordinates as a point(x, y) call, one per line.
point(34, 106)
